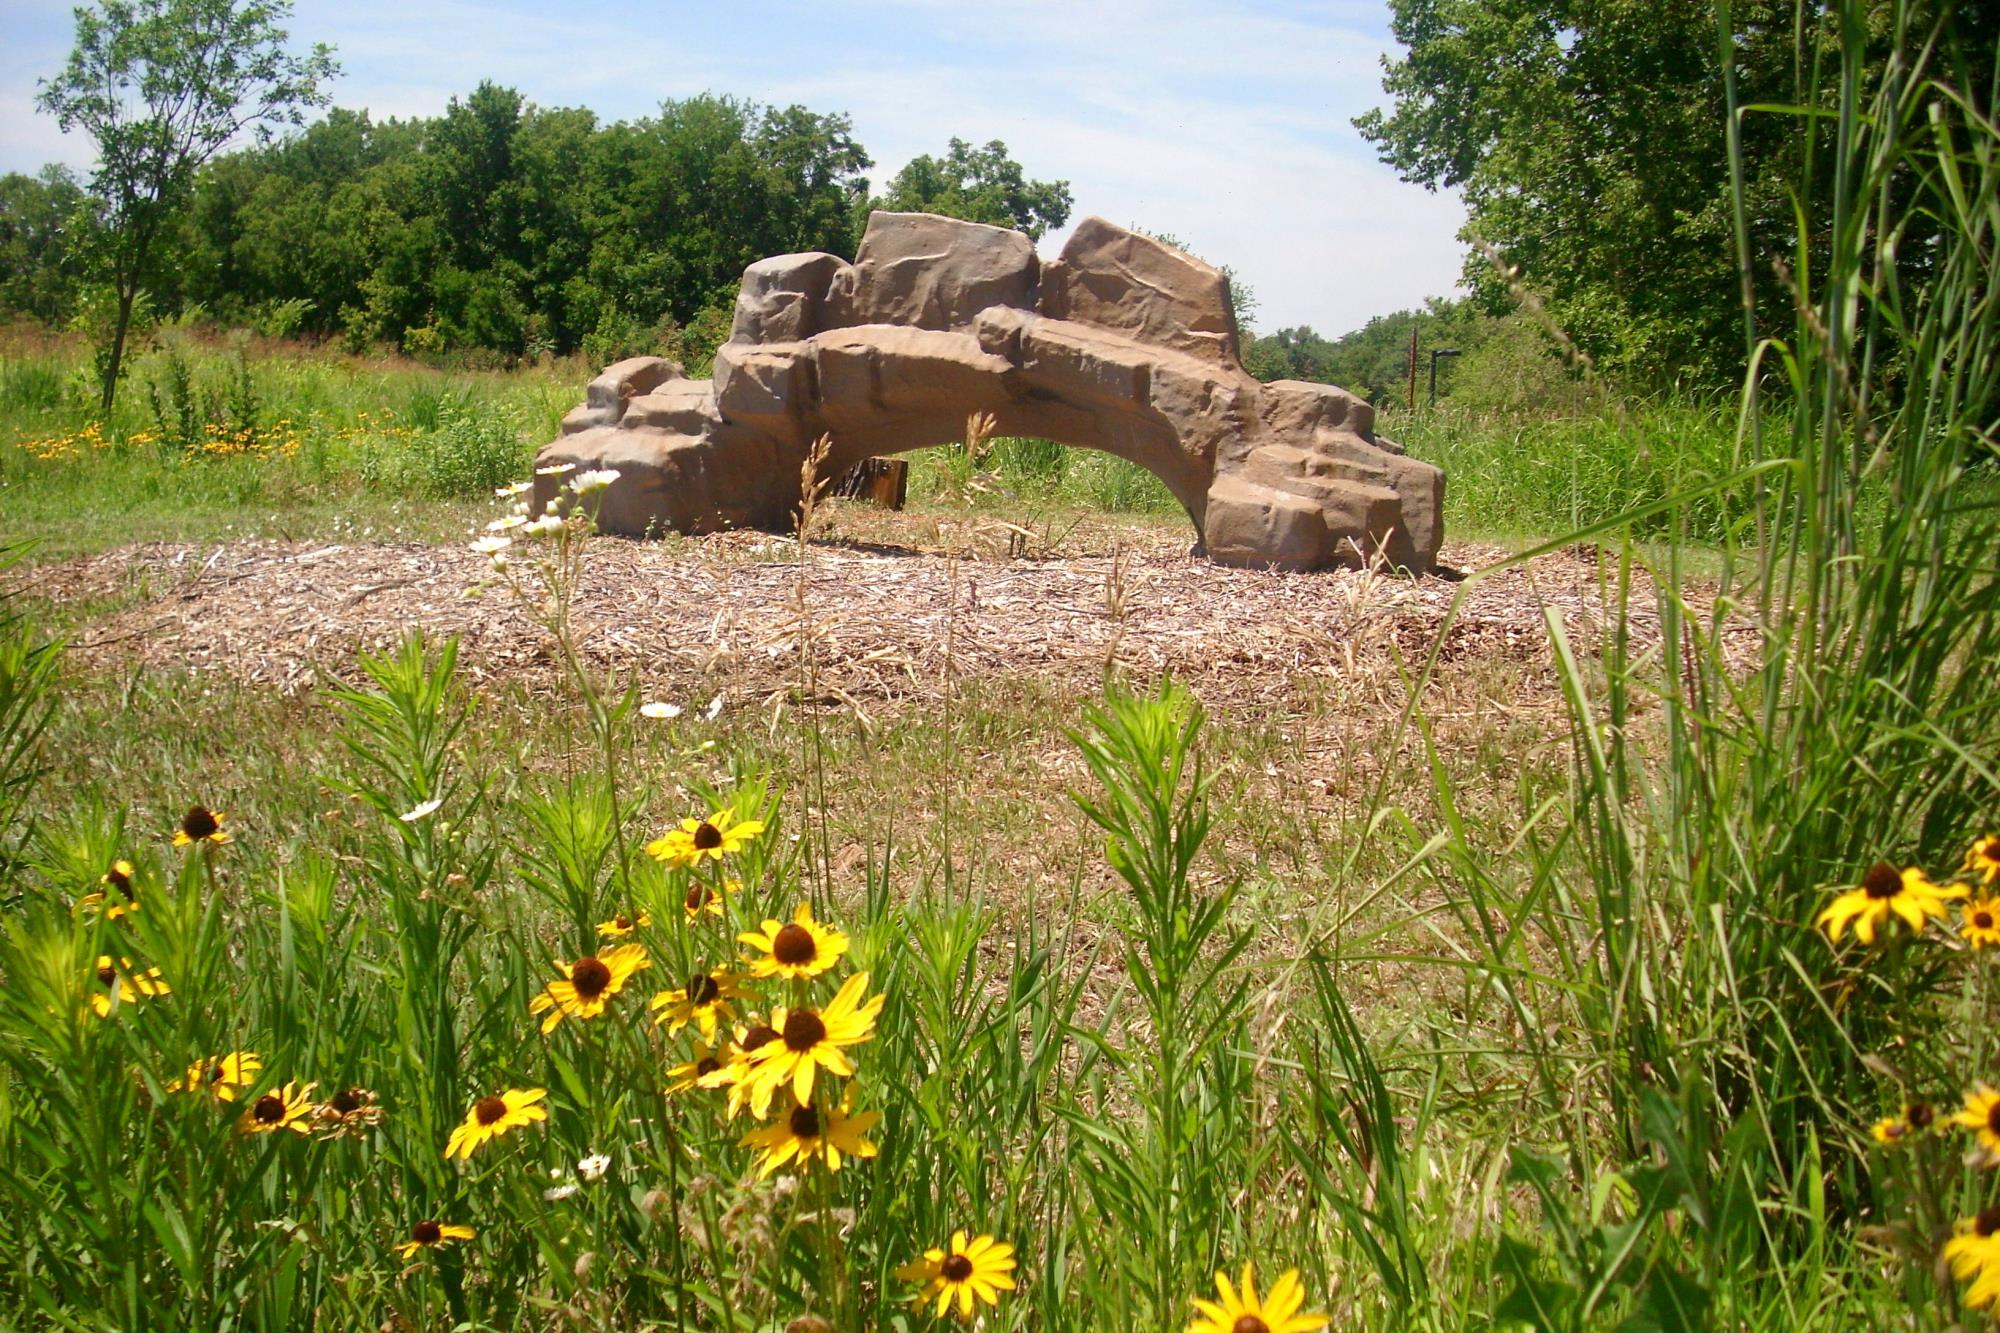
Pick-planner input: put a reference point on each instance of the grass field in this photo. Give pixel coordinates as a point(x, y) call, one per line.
point(1614, 956)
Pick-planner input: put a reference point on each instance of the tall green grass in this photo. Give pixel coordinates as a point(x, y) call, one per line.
point(1700, 1057)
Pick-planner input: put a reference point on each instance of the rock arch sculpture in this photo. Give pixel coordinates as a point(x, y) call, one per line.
point(1123, 344)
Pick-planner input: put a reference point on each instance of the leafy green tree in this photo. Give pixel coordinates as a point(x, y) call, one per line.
point(1586, 137)
point(162, 86)
point(978, 185)
point(43, 219)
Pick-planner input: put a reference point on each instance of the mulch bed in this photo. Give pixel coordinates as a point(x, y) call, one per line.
point(890, 624)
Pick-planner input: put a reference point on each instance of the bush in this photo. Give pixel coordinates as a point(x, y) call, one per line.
point(470, 453)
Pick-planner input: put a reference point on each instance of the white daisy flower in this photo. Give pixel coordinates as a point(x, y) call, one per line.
point(560, 1192)
point(555, 469)
point(505, 523)
point(660, 712)
point(429, 807)
point(517, 488)
point(714, 708)
point(586, 483)
point(594, 1166)
point(543, 526)
point(492, 545)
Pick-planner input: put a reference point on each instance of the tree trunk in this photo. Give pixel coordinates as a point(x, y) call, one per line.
point(126, 294)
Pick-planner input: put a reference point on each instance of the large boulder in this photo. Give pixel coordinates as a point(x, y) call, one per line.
point(1124, 344)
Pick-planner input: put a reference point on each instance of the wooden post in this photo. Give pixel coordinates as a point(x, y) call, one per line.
point(884, 482)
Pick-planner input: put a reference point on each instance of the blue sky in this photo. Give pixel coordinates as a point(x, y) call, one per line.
point(1226, 125)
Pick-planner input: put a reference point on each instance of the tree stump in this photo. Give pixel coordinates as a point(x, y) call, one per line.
point(884, 482)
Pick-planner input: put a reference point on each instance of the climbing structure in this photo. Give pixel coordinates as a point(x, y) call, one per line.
point(1123, 344)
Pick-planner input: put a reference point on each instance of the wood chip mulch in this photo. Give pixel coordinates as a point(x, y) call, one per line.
point(722, 612)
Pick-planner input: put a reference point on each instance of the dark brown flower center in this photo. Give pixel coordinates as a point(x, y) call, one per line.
point(488, 1110)
point(697, 897)
point(107, 974)
point(805, 1122)
point(1988, 1221)
point(707, 837)
point(215, 1072)
point(119, 880)
point(705, 1066)
point(199, 822)
point(1982, 920)
point(1895, 1129)
point(1992, 1118)
point(758, 1036)
point(1920, 1115)
point(794, 946)
point(622, 922)
point(1882, 882)
point(1249, 1323)
point(270, 1109)
point(703, 989)
point(426, 1233)
point(589, 976)
point(804, 1030)
point(955, 1268)
point(347, 1101)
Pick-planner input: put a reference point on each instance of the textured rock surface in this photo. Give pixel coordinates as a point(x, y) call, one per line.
point(1122, 344)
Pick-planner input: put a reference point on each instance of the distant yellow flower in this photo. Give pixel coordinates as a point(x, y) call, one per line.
point(290, 1108)
point(223, 1077)
point(1915, 1118)
point(704, 1001)
point(1973, 1253)
point(708, 1067)
point(117, 880)
point(810, 1040)
point(1979, 922)
point(1982, 859)
point(1239, 1310)
point(428, 1235)
point(1886, 891)
point(807, 1133)
point(590, 983)
point(714, 838)
point(1982, 1116)
point(800, 949)
point(490, 1117)
point(971, 1266)
point(703, 899)
point(200, 824)
point(122, 985)
point(618, 927)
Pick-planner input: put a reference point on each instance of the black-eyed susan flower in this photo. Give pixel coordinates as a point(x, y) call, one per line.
point(702, 899)
point(720, 835)
point(970, 1268)
point(796, 950)
point(428, 1235)
point(224, 1077)
point(806, 1133)
point(1982, 859)
point(1979, 922)
point(1973, 1254)
point(1981, 1115)
point(122, 983)
point(348, 1111)
point(735, 1074)
point(289, 1108)
point(490, 1117)
point(708, 1067)
point(1240, 1311)
point(1885, 891)
point(1914, 1119)
point(588, 984)
point(618, 927)
point(810, 1040)
point(707, 999)
point(200, 824)
point(117, 898)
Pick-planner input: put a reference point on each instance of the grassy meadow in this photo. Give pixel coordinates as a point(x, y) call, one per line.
point(1642, 982)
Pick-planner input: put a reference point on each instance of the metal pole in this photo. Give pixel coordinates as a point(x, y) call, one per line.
point(1413, 366)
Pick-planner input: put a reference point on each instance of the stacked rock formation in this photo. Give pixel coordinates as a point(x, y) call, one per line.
point(1122, 344)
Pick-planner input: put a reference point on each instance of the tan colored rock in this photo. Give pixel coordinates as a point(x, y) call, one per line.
point(929, 272)
point(1123, 345)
